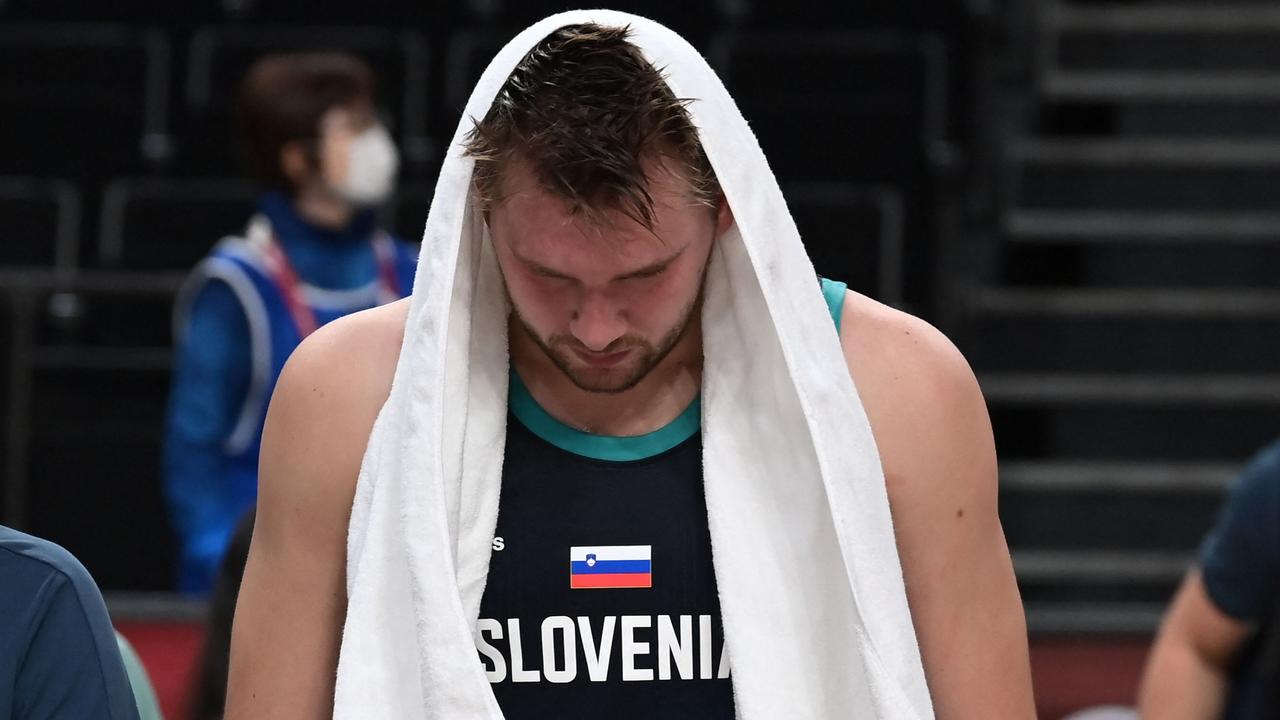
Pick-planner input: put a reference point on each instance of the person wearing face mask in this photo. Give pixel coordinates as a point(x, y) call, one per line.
point(310, 254)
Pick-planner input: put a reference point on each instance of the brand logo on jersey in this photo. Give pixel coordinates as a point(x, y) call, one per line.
point(610, 566)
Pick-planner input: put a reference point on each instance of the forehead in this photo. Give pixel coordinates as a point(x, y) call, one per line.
point(540, 225)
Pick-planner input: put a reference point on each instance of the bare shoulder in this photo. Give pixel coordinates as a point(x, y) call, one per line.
point(353, 356)
point(284, 648)
point(935, 443)
point(904, 367)
point(325, 403)
point(345, 366)
point(927, 414)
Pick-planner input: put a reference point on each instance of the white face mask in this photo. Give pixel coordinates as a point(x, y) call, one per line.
point(372, 162)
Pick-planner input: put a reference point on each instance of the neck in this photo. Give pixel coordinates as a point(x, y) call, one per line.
point(322, 208)
point(654, 402)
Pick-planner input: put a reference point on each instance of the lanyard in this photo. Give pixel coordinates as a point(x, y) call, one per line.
point(287, 281)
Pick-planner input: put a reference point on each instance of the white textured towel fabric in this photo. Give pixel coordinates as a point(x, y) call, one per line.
point(814, 610)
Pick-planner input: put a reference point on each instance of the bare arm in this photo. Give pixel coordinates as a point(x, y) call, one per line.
point(284, 646)
point(1186, 676)
point(931, 426)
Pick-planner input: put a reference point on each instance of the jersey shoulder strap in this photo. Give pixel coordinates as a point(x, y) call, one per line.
point(833, 292)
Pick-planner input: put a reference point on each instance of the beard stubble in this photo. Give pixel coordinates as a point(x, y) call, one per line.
point(559, 349)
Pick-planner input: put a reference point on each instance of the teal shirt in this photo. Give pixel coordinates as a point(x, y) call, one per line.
point(143, 692)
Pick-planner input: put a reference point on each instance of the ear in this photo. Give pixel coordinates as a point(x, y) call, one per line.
point(724, 216)
point(295, 163)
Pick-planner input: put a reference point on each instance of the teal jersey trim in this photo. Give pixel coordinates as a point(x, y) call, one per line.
point(601, 447)
point(614, 448)
point(144, 694)
point(833, 292)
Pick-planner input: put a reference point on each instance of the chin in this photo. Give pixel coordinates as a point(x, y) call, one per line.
point(605, 381)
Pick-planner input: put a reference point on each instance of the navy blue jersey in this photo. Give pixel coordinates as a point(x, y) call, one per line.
point(58, 654)
point(601, 598)
point(1240, 565)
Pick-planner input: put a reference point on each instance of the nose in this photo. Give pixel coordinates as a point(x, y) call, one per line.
point(597, 322)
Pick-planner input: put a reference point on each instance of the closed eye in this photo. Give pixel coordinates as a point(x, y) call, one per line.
point(655, 269)
point(550, 274)
point(645, 274)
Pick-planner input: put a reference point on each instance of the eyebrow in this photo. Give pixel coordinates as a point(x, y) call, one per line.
point(650, 269)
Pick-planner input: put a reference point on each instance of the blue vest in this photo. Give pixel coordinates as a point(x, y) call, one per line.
point(243, 265)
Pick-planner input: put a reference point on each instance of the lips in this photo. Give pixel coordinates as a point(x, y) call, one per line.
point(601, 360)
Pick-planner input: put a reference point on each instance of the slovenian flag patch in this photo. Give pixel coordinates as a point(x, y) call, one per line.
point(610, 566)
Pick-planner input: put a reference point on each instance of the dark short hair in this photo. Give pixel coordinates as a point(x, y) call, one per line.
point(282, 99)
point(586, 111)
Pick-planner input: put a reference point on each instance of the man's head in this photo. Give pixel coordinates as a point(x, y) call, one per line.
point(601, 203)
point(308, 123)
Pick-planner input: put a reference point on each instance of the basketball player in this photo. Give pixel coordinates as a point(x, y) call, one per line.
point(603, 210)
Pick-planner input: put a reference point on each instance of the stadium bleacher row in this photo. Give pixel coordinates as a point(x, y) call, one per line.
point(119, 171)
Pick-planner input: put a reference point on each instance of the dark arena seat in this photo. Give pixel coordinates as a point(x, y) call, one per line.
point(406, 214)
point(94, 427)
point(853, 234)
point(88, 372)
point(850, 106)
point(143, 12)
point(838, 105)
point(92, 98)
point(167, 224)
point(880, 14)
point(467, 55)
point(41, 220)
point(399, 13)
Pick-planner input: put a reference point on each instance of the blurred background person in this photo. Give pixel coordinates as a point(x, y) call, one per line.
point(311, 253)
point(1215, 655)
